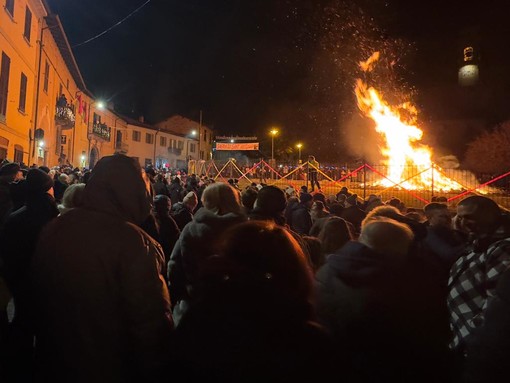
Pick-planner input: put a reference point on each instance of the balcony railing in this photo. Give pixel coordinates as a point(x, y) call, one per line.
point(65, 117)
point(121, 147)
point(175, 151)
point(102, 131)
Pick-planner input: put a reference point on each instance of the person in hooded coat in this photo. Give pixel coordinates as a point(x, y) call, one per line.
point(222, 209)
point(103, 308)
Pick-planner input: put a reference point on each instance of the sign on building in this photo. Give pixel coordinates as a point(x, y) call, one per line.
point(237, 146)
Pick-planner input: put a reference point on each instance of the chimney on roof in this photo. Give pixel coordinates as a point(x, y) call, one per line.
point(141, 119)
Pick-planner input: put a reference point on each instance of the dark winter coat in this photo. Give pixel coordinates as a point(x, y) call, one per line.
point(300, 219)
point(488, 348)
point(6, 204)
point(19, 239)
point(181, 214)
point(168, 233)
point(369, 303)
point(175, 190)
point(103, 309)
point(197, 242)
point(354, 215)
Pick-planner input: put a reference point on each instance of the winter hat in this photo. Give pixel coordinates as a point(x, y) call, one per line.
point(271, 199)
point(38, 181)
point(9, 170)
point(45, 169)
point(191, 196)
point(304, 189)
point(305, 197)
point(352, 200)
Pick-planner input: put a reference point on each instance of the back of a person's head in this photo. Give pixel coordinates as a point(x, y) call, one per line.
point(386, 236)
point(248, 197)
point(271, 200)
point(387, 211)
point(334, 235)
point(162, 203)
point(221, 199)
point(190, 200)
point(263, 261)
point(429, 208)
point(73, 196)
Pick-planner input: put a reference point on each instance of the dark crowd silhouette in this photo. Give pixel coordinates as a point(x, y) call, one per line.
point(124, 274)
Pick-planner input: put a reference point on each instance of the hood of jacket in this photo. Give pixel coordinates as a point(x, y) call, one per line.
point(207, 217)
point(116, 187)
point(358, 265)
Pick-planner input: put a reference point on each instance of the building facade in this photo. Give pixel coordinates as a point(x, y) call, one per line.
point(20, 23)
point(48, 116)
point(195, 133)
point(160, 148)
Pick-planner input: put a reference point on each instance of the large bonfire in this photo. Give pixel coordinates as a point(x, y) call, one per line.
point(408, 162)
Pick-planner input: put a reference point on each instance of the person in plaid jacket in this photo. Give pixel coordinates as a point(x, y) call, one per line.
point(474, 277)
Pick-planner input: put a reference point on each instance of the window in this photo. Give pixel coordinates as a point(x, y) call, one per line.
point(192, 148)
point(162, 141)
point(9, 6)
point(136, 135)
point(149, 138)
point(148, 162)
point(46, 76)
point(22, 93)
point(28, 24)
point(4, 83)
point(97, 119)
point(60, 90)
point(18, 154)
point(180, 145)
point(205, 135)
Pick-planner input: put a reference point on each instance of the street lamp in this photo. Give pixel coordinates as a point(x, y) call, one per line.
point(299, 146)
point(273, 133)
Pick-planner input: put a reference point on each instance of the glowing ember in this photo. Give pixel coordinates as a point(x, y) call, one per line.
point(403, 153)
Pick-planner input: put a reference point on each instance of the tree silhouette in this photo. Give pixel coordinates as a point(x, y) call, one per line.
point(489, 152)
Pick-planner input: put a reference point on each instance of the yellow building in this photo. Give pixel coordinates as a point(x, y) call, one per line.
point(195, 132)
point(20, 23)
point(47, 115)
point(157, 147)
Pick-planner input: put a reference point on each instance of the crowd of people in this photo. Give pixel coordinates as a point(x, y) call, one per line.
point(124, 274)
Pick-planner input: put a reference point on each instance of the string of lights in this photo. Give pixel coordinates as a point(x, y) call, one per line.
point(113, 26)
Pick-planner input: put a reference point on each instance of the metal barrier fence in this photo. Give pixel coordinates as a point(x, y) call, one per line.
point(417, 187)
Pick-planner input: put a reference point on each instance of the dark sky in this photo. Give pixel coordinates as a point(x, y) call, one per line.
point(253, 64)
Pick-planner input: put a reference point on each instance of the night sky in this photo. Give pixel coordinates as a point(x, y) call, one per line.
point(250, 65)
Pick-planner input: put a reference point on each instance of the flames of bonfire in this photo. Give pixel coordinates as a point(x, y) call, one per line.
point(409, 163)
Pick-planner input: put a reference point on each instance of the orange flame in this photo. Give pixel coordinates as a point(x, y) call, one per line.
point(402, 150)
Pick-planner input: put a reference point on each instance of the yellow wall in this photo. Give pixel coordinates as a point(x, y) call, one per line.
point(23, 58)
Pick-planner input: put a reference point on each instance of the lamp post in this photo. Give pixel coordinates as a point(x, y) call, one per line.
point(273, 132)
point(299, 146)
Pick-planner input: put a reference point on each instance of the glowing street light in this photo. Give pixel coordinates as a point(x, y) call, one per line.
point(299, 146)
point(193, 133)
point(41, 144)
point(100, 105)
point(273, 133)
point(232, 141)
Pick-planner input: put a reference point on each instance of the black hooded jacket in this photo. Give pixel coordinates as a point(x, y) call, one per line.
point(103, 309)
